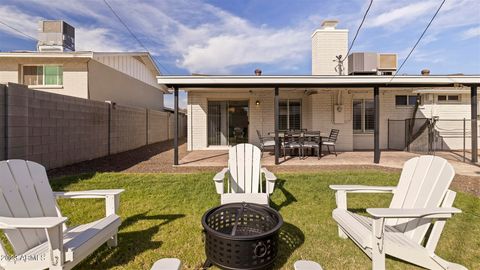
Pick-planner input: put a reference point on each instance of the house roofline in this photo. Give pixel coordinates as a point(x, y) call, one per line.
point(317, 81)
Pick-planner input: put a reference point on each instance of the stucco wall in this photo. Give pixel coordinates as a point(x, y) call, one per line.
point(106, 83)
point(75, 74)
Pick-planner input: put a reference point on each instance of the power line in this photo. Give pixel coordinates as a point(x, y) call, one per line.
point(358, 29)
point(418, 41)
point(18, 31)
point(133, 35)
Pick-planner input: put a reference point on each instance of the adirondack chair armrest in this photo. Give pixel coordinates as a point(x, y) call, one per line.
point(439, 212)
point(363, 188)
point(271, 178)
point(342, 190)
point(111, 196)
point(219, 178)
point(88, 194)
point(31, 222)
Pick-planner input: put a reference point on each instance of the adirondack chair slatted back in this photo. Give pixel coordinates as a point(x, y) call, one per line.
point(423, 183)
point(244, 167)
point(25, 192)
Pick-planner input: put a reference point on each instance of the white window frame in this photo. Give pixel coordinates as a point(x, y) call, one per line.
point(448, 99)
point(362, 117)
point(42, 85)
point(288, 110)
point(408, 101)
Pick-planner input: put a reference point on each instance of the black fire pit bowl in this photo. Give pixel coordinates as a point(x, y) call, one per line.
point(241, 236)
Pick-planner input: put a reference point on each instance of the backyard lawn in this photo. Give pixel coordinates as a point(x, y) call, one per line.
point(161, 218)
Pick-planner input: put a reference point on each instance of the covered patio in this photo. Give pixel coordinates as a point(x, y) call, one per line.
point(369, 85)
point(390, 159)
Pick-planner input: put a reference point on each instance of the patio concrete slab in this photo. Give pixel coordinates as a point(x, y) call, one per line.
point(390, 159)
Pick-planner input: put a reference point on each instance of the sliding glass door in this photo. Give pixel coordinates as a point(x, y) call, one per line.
point(227, 122)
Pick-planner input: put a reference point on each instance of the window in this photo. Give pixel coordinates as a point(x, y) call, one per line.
point(43, 75)
point(290, 114)
point(405, 100)
point(363, 115)
point(448, 98)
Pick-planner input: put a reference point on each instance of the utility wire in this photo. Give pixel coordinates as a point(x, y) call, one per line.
point(18, 31)
point(134, 36)
point(358, 29)
point(418, 41)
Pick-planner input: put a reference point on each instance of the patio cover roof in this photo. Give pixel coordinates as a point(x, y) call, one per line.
point(222, 81)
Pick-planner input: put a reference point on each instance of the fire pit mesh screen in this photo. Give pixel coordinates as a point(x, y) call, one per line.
point(241, 236)
point(242, 221)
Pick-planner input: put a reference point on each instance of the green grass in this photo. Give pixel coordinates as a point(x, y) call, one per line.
point(161, 218)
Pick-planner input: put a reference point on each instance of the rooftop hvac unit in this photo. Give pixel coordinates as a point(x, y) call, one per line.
point(55, 36)
point(363, 63)
point(387, 61)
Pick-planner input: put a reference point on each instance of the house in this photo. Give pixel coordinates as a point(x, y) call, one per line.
point(221, 107)
point(127, 78)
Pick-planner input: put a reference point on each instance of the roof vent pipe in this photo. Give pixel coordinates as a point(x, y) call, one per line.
point(425, 72)
point(258, 72)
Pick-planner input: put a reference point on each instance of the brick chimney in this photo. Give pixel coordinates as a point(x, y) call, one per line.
point(327, 43)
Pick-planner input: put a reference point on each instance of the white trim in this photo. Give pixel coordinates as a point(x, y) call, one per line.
point(316, 80)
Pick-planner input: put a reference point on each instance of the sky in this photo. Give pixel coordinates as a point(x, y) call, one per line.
point(237, 36)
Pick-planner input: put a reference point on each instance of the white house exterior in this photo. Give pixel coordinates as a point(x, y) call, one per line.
point(219, 106)
point(127, 78)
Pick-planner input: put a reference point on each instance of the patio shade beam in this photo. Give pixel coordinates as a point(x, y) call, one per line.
point(474, 116)
point(276, 124)
point(192, 86)
point(376, 127)
point(175, 128)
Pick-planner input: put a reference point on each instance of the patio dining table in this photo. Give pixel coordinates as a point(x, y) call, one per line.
point(304, 134)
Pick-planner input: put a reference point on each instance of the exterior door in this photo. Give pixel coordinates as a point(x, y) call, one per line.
point(227, 122)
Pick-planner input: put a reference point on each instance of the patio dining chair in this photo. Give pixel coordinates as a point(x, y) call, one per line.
point(313, 141)
point(331, 141)
point(266, 142)
point(292, 141)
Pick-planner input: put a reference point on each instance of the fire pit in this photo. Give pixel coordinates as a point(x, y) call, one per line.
point(241, 236)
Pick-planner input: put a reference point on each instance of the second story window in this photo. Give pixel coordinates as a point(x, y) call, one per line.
point(43, 75)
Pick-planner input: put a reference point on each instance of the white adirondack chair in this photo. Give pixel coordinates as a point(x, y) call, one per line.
point(244, 181)
point(34, 226)
point(421, 197)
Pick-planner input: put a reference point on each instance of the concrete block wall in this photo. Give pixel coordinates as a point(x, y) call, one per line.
point(64, 130)
point(3, 89)
point(56, 130)
point(157, 130)
point(127, 128)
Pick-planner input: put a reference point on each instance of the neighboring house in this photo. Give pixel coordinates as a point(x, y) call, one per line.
point(221, 107)
point(127, 78)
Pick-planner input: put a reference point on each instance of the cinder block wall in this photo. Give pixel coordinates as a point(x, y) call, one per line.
point(128, 128)
point(3, 88)
point(57, 130)
point(157, 131)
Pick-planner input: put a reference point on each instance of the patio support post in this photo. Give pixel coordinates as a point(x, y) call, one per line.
point(473, 95)
point(376, 128)
point(175, 128)
point(276, 123)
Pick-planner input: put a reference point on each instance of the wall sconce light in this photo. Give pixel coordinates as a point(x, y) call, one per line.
point(257, 102)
